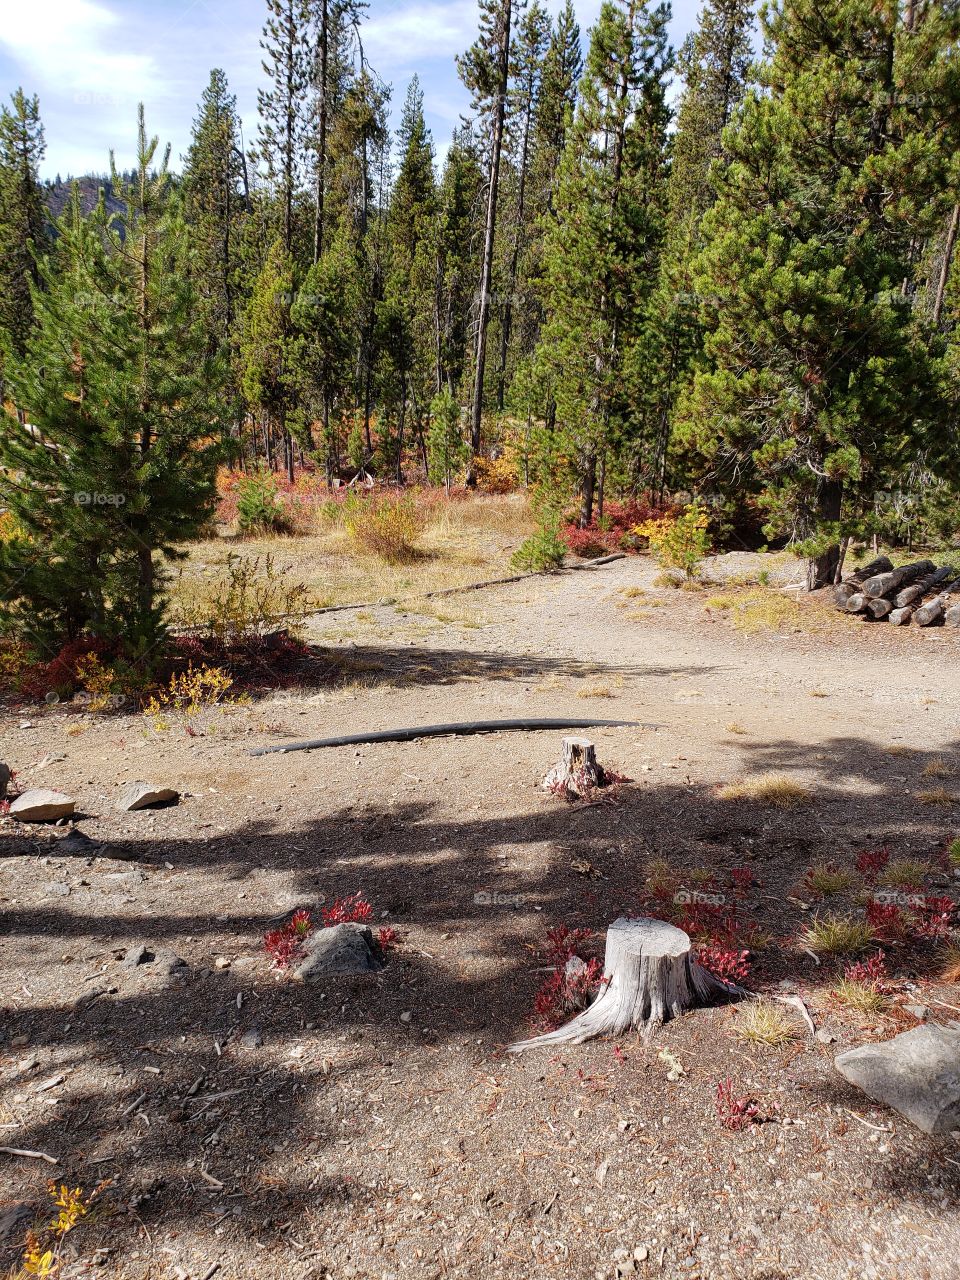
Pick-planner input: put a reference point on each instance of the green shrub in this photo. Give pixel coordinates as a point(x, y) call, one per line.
point(542, 552)
point(259, 506)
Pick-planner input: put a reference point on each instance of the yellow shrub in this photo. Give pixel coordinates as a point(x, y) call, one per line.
point(678, 542)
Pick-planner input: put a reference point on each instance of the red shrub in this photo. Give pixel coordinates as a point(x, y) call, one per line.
point(935, 917)
point(355, 910)
point(725, 963)
point(387, 938)
point(871, 862)
point(733, 1111)
point(871, 973)
point(743, 880)
point(285, 943)
point(564, 994)
point(887, 921)
point(562, 943)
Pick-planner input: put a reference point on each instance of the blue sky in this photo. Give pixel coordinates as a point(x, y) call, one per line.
point(92, 61)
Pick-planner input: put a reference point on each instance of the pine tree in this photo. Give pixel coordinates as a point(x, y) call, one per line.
point(484, 69)
point(714, 64)
point(22, 215)
point(325, 313)
point(447, 451)
point(601, 249)
point(123, 399)
point(216, 200)
point(526, 70)
point(283, 106)
point(407, 335)
point(266, 351)
point(457, 255)
point(333, 24)
point(562, 67)
point(826, 382)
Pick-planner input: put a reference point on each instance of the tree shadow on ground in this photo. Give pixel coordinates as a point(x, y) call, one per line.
point(173, 1092)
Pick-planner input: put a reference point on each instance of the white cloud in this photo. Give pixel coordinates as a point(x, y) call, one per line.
point(71, 46)
point(406, 35)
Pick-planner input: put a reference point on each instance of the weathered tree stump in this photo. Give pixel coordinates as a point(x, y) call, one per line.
point(576, 773)
point(649, 976)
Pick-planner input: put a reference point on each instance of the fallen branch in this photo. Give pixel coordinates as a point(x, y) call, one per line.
point(448, 730)
point(796, 1003)
point(30, 1155)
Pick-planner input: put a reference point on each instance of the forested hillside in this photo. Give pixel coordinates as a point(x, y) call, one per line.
point(743, 292)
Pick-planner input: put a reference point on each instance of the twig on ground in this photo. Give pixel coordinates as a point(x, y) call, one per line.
point(29, 1155)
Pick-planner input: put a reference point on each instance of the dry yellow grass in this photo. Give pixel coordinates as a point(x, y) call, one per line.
point(734, 727)
point(767, 788)
point(858, 996)
point(838, 936)
point(765, 1023)
point(465, 541)
point(938, 768)
point(898, 749)
point(937, 796)
point(765, 609)
point(828, 880)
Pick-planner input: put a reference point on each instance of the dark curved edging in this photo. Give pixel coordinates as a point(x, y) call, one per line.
point(447, 730)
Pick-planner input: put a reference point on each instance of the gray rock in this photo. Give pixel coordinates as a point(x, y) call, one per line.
point(825, 1037)
point(342, 948)
point(40, 805)
point(917, 1073)
point(166, 961)
point(142, 795)
point(919, 1011)
point(4, 778)
point(252, 1039)
point(76, 844)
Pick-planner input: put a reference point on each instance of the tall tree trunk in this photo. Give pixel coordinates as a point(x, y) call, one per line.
point(322, 122)
point(486, 274)
point(946, 264)
point(822, 569)
point(515, 251)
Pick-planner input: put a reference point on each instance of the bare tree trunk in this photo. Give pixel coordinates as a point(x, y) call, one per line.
point(948, 249)
point(486, 274)
point(822, 569)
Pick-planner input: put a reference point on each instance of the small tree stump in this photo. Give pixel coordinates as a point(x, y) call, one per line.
point(576, 773)
point(649, 976)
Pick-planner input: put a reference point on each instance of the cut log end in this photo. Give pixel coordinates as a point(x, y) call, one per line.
point(649, 976)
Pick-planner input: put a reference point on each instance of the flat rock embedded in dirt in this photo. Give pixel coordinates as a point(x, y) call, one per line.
point(41, 805)
point(341, 948)
point(142, 795)
point(165, 960)
point(917, 1073)
point(4, 778)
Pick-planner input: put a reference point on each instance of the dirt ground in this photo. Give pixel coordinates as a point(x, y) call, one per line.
point(253, 1126)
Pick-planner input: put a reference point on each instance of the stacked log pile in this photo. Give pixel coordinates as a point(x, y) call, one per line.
point(918, 592)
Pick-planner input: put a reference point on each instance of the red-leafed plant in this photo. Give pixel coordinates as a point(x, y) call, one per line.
point(725, 963)
point(562, 943)
point(870, 973)
point(935, 917)
point(353, 910)
point(735, 1111)
point(565, 993)
point(387, 938)
point(743, 880)
point(887, 921)
point(871, 862)
point(286, 943)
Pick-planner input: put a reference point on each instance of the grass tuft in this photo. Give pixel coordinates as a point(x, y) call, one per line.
point(825, 879)
point(938, 768)
point(858, 996)
point(839, 936)
point(767, 788)
point(937, 796)
point(763, 1022)
point(904, 873)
